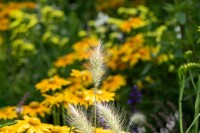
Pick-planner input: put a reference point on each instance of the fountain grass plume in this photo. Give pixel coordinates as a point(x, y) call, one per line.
point(97, 69)
point(79, 120)
point(96, 64)
point(111, 117)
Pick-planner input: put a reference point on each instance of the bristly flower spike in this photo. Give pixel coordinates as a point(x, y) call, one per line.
point(79, 120)
point(97, 66)
point(111, 117)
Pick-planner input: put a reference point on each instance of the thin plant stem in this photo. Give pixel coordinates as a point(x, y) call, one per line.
point(63, 114)
point(58, 115)
point(197, 104)
point(193, 123)
point(192, 80)
point(95, 109)
point(196, 111)
point(54, 115)
point(182, 85)
point(70, 129)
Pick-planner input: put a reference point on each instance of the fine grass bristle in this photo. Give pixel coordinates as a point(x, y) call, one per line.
point(96, 64)
point(79, 120)
point(111, 117)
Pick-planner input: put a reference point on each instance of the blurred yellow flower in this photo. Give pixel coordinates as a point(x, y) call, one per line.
point(101, 96)
point(22, 22)
point(58, 99)
point(108, 4)
point(77, 97)
point(132, 23)
point(21, 48)
point(65, 60)
point(101, 130)
point(34, 109)
point(7, 8)
point(60, 129)
point(149, 79)
point(84, 75)
point(113, 83)
point(49, 13)
point(31, 125)
point(8, 112)
point(162, 58)
point(53, 84)
point(81, 47)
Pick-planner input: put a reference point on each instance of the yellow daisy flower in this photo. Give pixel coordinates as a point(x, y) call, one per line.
point(85, 75)
point(113, 83)
point(65, 60)
point(101, 96)
point(127, 25)
point(8, 112)
point(34, 109)
point(61, 129)
point(31, 125)
point(56, 99)
point(114, 59)
point(59, 99)
point(78, 97)
point(51, 84)
point(101, 130)
point(81, 47)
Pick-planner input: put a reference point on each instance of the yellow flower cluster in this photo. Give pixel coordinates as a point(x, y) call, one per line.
point(132, 23)
point(33, 125)
point(8, 112)
point(35, 109)
point(6, 9)
point(22, 22)
point(22, 48)
point(130, 53)
point(51, 84)
point(80, 52)
point(76, 91)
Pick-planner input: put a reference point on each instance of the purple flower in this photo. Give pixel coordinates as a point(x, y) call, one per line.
point(134, 97)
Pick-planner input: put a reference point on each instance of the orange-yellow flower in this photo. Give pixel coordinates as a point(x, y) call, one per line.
point(6, 9)
point(34, 109)
point(101, 130)
point(31, 125)
point(53, 83)
point(60, 129)
point(113, 83)
point(65, 60)
point(81, 47)
point(57, 99)
point(8, 112)
point(127, 25)
point(85, 75)
point(78, 97)
point(101, 96)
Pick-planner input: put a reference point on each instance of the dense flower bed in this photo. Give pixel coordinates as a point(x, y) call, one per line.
point(59, 60)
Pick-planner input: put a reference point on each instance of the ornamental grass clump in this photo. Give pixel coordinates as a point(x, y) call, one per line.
point(106, 112)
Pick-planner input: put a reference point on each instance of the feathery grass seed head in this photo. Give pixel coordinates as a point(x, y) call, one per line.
point(96, 64)
point(79, 120)
point(110, 116)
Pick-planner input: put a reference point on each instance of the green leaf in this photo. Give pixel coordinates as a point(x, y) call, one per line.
point(181, 17)
point(169, 7)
